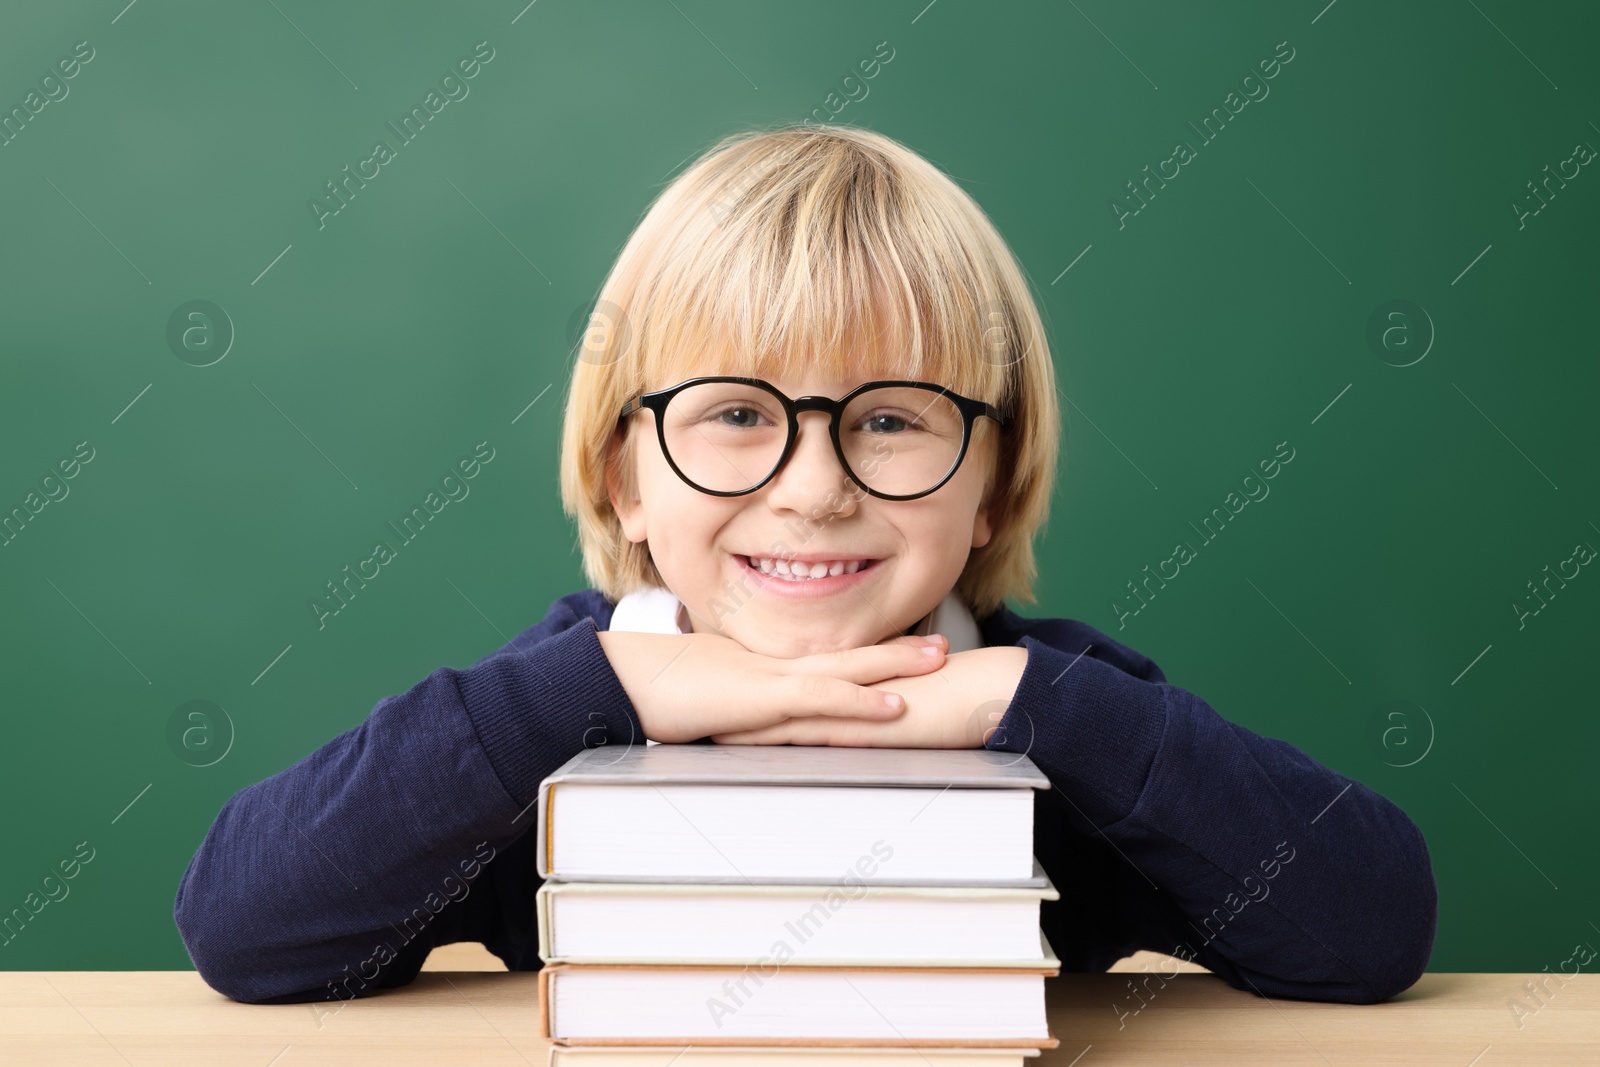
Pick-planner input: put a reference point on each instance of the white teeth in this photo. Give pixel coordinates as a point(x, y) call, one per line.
point(804, 572)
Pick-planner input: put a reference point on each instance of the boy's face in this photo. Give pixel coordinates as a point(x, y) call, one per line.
point(703, 545)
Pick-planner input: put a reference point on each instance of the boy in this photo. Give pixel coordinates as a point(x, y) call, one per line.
point(807, 465)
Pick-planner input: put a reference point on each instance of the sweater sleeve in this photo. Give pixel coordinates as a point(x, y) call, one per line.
point(1239, 851)
point(337, 876)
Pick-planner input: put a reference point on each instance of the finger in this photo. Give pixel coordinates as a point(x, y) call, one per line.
point(873, 663)
point(916, 640)
point(811, 730)
point(816, 730)
point(825, 696)
point(801, 695)
point(780, 733)
point(770, 735)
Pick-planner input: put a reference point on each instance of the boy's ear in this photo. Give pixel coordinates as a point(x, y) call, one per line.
point(623, 490)
point(981, 530)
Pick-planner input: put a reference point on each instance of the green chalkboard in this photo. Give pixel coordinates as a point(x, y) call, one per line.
point(1376, 260)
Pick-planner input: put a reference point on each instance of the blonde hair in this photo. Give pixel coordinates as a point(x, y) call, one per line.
point(767, 257)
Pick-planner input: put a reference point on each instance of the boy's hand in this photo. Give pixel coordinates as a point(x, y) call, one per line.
point(688, 686)
point(957, 706)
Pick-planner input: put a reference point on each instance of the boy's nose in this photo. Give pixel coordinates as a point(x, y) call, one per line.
point(813, 476)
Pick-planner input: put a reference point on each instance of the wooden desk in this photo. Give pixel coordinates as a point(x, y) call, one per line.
point(66, 1018)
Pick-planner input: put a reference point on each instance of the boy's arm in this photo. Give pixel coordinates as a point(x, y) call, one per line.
point(1286, 878)
point(336, 876)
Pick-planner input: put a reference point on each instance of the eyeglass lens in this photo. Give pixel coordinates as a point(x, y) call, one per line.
point(726, 436)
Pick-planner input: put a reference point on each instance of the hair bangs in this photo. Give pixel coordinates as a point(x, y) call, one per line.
point(808, 277)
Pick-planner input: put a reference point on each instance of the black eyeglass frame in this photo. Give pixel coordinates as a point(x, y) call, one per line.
point(658, 400)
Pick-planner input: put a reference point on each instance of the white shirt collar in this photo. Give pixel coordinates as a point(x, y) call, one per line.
point(654, 610)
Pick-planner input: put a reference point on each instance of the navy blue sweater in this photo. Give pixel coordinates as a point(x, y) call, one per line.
point(1166, 827)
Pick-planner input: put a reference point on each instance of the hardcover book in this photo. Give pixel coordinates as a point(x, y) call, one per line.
point(822, 924)
point(756, 814)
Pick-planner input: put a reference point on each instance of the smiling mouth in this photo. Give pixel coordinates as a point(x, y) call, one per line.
point(803, 572)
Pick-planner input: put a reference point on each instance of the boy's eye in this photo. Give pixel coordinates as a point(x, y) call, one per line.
point(739, 417)
point(885, 422)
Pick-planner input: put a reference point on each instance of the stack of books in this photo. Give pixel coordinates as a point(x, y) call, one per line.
point(789, 905)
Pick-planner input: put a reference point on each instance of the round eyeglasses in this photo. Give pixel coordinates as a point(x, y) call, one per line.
point(728, 436)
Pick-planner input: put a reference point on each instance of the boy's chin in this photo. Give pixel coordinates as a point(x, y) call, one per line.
point(781, 645)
